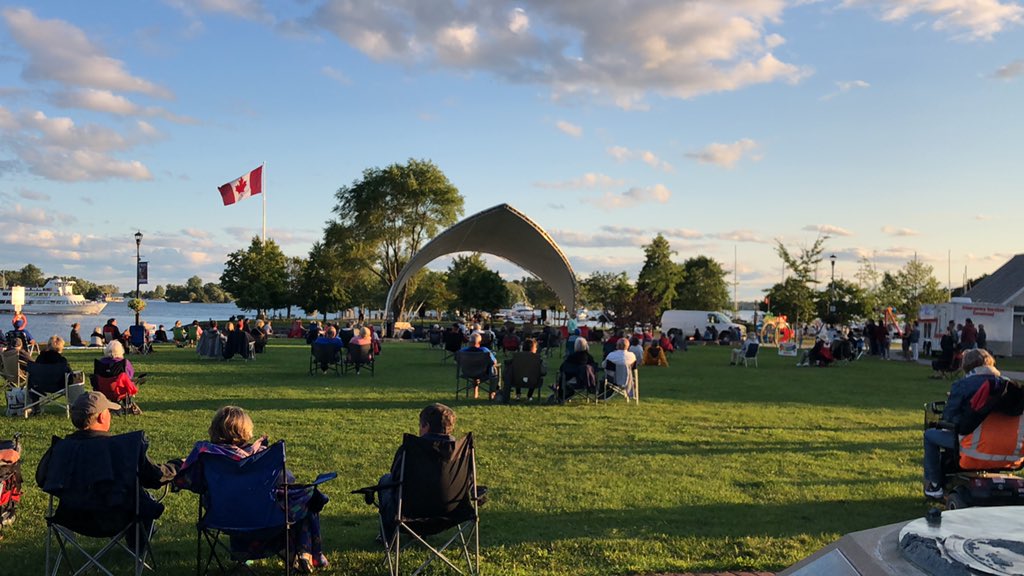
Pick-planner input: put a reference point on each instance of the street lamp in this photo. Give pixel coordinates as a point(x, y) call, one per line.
point(138, 245)
point(832, 289)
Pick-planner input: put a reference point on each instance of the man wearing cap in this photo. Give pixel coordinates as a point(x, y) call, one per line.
point(90, 414)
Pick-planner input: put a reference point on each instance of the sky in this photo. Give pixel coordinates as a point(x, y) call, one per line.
point(890, 126)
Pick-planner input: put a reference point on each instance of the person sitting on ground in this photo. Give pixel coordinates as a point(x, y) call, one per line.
point(231, 436)
point(260, 334)
point(54, 353)
point(111, 331)
point(75, 340)
point(96, 338)
point(740, 351)
point(296, 330)
point(160, 335)
point(654, 355)
point(178, 334)
point(436, 427)
point(113, 354)
point(978, 366)
point(331, 341)
point(666, 343)
point(91, 416)
point(819, 354)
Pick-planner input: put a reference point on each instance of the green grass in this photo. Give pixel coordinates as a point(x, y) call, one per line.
point(718, 468)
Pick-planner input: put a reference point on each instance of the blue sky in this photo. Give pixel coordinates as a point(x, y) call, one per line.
point(892, 126)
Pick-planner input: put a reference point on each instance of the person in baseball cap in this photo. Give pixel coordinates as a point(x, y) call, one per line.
point(91, 411)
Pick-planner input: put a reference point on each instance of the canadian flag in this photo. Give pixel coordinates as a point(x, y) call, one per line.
point(249, 184)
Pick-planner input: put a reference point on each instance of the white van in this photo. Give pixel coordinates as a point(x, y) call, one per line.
point(688, 321)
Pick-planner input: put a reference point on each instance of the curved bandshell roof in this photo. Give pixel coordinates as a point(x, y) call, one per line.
point(506, 232)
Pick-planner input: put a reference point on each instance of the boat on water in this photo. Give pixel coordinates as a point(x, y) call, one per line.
point(55, 297)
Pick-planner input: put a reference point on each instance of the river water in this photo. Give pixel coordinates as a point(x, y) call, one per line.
point(157, 312)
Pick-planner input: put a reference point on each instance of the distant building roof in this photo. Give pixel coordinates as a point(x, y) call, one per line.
point(1002, 286)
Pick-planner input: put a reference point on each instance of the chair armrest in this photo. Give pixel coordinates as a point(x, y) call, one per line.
point(325, 477)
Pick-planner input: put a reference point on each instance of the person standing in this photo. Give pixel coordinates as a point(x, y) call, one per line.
point(982, 337)
point(915, 341)
point(968, 336)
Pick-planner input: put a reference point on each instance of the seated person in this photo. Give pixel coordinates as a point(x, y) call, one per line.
point(296, 330)
point(111, 331)
point(237, 341)
point(579, 366)
point(90, 414)
point(361, 336)
point(979, 366)
point(436, 426)
point(76, 337)
point(635, 347)
point(20, 332)
point(160, 335)
point(313, 332)
point(54, 353)
point(231, 436)
point(23, 355)
point(96, 338)
point(260, 333)
point(114, 354)
point(347, 333)
point(529, 348)
point(654, 355)
point(211, 343)
point(329, 340)
point(666, 343)
point(818, 355)
point(624, 360)
point(474, 347)
point(195, 332)
point(740, 351)
point(179, 334)
point(696, 335)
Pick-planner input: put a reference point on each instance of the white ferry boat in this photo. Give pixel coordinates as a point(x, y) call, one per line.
point(55, 297)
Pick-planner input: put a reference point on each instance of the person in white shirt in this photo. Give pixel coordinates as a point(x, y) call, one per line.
point(624, 360)
point(741, 351)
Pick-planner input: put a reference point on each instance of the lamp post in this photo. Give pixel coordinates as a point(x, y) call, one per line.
point(138, 245)
point(832, 290)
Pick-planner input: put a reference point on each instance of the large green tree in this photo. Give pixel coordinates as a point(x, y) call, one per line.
point(321, 288)
point(432, 292)
point(257, 277)
point(795, 296)
point(539, 294)
point(792, 298)
point(474, 285)
point(909, 287)
point(850, 301)
point(660, 275)
point(394, 211)
point(604, 289)
point(703, 286)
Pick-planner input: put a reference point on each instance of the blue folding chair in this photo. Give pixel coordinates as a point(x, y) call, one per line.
point(137, 340)
point(244, 499)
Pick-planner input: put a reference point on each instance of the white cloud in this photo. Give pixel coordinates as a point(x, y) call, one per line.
point(966, 19)
point(621, 154)
point(569, 128)
point(895, 231)
point(633, 196)
point(249, 9)
point(740, 236)
point(33, 195)
point(336, 75)
point(619, 54)
point(843, 87)
point(827, 229)
point(61, 52)
point(1011, 70)
point(588, 180)
point(58, 149)
point(724, 155)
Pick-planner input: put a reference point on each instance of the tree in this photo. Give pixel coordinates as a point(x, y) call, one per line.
point(30, 276)
point(850, 301)
point(257, 277)
point(660, 275)
point(703, 286)
point(792, 298)
point(604, 289)
point(636, 308)
point(539, 294)
point(474, 285)
point(909, 287)
point(296, 268)
point(393, 211)
point(804, 266)
point(432, 292)
point(321, 288)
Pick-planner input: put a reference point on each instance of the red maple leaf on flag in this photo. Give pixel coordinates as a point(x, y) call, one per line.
point(242, 185)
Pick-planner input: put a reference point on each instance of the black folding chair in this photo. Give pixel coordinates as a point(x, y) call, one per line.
point(523, 370)
point(51, 384)
point(359, 356)
point(98, 502)
point(324, 357)
point(472, 368)
point(452, 344)
point(433, 493)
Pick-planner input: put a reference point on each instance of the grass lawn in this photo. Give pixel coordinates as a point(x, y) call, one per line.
point(718, 468)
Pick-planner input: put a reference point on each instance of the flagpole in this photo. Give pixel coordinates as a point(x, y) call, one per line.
point(264, 172)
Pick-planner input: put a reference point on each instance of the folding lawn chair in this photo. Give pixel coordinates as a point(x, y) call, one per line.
point(51, 384)
point(114, 383)
point(324, 357)
point(473, 368)
point(433, 494)
point(137, 343)
point(10, 481)
point(98, 501)
point(245, 500)
point(434, 338)
point(359, 356)
point(453, 342)
point(524, 370)
point(751, 354)
point(622, 380)
point(13, 369)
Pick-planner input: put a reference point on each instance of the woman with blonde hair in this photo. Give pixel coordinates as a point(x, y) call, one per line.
point(54, 353)
point(231, 436)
